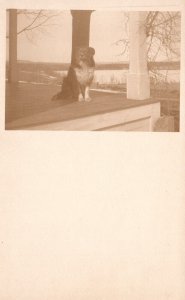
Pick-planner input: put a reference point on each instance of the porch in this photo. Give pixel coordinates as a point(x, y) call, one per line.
point(29, 106)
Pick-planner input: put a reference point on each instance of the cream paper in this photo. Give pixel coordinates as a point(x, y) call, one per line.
point(91, 215)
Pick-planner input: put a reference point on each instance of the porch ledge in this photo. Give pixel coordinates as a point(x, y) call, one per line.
point(110, 112)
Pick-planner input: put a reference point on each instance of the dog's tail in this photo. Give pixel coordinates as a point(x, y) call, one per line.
point(63, 94)
point(57, 96)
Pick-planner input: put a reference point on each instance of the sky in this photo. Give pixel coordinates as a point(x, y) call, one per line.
point(54, 45)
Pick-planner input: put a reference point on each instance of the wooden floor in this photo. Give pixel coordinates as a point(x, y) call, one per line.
point(30, 105)
point(26, 99)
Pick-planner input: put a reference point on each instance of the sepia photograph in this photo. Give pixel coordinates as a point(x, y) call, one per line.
point(88, 70)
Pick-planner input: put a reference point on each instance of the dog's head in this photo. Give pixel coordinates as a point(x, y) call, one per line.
point(84, 55)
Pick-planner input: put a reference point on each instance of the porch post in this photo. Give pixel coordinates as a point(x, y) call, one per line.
point(138, 82)
point(80, 28)
point(12, 46)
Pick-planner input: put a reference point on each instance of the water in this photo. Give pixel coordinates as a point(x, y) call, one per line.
point(119, 76)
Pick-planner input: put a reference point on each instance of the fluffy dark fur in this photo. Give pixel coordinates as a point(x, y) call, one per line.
point(80, 75)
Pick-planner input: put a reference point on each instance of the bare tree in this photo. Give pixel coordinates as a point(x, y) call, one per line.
point(163, 41)
point(163, 35)
point(37, 21)
point(163, 38)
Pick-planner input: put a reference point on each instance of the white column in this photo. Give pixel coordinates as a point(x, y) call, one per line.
point(13, 45)
point(138, 82)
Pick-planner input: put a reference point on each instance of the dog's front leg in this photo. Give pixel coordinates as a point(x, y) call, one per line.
point(87, 96)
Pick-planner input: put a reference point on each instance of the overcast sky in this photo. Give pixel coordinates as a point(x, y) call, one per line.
point(55, 44)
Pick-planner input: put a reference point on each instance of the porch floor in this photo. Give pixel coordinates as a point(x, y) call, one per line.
point(29, 104)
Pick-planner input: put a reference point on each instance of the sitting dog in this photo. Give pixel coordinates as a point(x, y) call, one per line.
point(80, 75)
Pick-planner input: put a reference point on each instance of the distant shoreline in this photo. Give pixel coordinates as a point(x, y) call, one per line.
point(162, 65)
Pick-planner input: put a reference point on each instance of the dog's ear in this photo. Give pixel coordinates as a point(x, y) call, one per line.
point(91, 51)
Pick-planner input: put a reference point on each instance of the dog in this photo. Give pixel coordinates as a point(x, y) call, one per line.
point(80, 76)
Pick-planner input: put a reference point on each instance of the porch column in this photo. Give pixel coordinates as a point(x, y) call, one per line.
point(13, 46)
point(80, 28)
point(138, 82)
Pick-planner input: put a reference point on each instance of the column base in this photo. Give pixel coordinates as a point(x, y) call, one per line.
point(138, 86)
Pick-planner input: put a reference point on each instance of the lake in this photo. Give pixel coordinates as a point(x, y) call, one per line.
point(119, 76)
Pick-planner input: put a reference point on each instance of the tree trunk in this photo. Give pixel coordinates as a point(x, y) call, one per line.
point(80, 29)
point(12, 46)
